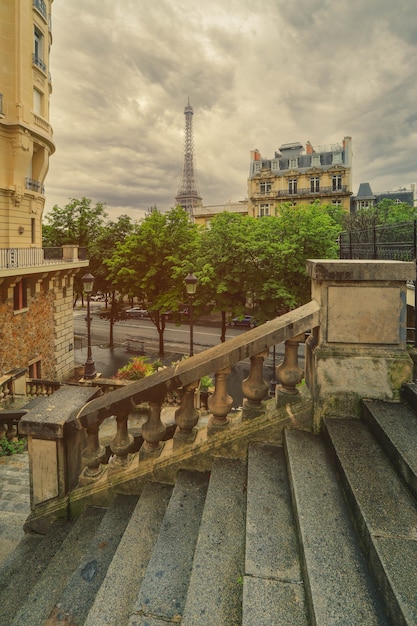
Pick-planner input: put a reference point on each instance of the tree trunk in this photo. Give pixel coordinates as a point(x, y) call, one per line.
point(111, 338)
point(223, 336)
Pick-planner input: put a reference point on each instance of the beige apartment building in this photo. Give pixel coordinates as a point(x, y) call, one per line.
point(300, 175)
point(36, 284)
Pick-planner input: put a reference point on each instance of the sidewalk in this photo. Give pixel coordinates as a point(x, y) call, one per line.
point(14, 501)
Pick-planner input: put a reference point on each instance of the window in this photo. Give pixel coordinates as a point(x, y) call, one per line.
point(336, 202)
point(337, 182)
point(264, 210)
point(275, 165)
point(364, 204)
point(292, 185)
point(38, 46)
point(315, 160)
point(35, 369)
point(337, 157)
point(32, 230)
point(37, 102)
point(294, 162)
point(257, 167)
point(264, 187)
point(315, 183)
point(20, 296)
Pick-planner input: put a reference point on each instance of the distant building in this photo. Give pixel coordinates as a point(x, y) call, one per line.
point(36, 285)
point(203, 214)
point(300, 176)
point(365, 198)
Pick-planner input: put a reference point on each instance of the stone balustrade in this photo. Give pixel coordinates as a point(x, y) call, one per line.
point(348, 356)
point(36, 387)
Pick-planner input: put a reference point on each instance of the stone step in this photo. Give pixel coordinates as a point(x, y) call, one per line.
point(395, 427)
point(116, 597)
point(339, 587)
point(77, 597)
point(23, 568)
point(215, 592)
point(273, 588)
point(409, 394)
point(163, 591)
point(45, 592)
point(384, 513)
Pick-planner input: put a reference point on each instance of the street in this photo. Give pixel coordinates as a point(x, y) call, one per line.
point(143, 329)
point(176, 342)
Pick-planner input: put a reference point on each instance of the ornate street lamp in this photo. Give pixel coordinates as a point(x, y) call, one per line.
point(89, 366)
point(191, 287)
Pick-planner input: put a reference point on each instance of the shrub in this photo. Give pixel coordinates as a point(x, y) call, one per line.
point(17, 446)
point(137, 368)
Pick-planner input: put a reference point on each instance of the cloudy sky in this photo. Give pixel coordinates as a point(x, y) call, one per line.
point(258, 74)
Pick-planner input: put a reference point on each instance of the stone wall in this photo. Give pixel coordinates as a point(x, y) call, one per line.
point(43, 330)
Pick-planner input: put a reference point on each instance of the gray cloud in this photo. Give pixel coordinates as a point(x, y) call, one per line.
point(256, 77)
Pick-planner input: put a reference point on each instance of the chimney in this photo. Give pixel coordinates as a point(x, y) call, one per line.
point(309, 148)
point(255, 155)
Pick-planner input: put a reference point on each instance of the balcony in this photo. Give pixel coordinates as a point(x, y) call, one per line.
point(34, 185)
point(306, 191)
point(36, 60)
point(40, 6)
point(17, 258)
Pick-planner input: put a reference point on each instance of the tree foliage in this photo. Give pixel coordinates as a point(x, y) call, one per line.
point(78, 223)
point(152, 262)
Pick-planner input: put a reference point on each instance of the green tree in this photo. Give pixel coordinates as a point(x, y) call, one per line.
point(152, 263)
point(78, 223)
point(222, 262)
point(279, 278)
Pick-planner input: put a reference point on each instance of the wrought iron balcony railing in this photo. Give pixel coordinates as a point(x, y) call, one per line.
point(306, 191)
point(34, 257)
point(39, 62)
point(34, 185)
point(41, 7)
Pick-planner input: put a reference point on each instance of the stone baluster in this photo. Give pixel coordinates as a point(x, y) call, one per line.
point(289, 373)
point(220, 403)
point(93, 455)
point(186, 416)
point(254, 387)
point(121, 443)
point(11, 431)
point(153, 431)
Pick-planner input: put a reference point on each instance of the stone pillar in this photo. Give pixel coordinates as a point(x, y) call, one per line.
point(55, 443)
point(254, 387)
point(220, 403)
point(359, 349)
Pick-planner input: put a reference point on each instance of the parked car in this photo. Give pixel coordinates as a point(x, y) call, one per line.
point(244, 320)
point(137, 311)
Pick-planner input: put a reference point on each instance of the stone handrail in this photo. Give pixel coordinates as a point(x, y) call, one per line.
point(348, 357)
point(185, 376)
point(186, 372)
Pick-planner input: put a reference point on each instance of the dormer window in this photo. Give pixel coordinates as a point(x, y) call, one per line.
point(337, 158)
point(257, 167)
point(315, 160)
point(293, 162)
point(275, 165)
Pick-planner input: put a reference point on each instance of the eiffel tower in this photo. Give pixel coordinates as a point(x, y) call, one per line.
point(188, 195)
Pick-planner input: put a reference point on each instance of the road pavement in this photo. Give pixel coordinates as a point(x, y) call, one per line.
point(176, 342)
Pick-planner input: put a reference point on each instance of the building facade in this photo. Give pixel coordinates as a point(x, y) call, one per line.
point(366, 198)
point(204, 214)
point(299, 175)
point(36, 285)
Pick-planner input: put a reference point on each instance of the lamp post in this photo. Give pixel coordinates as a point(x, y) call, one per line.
point(191, 287)
point(89, 367)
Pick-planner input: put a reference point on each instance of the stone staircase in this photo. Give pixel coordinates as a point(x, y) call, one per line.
point(322, 530)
